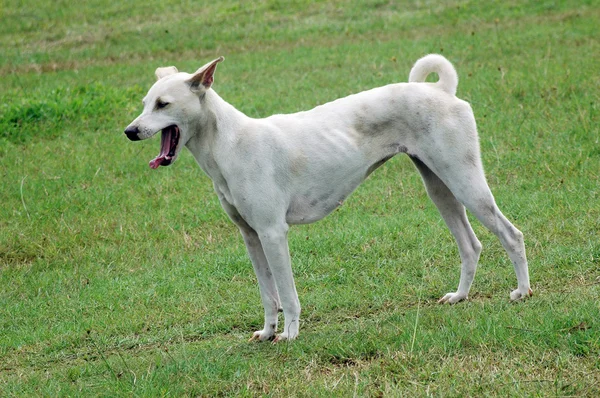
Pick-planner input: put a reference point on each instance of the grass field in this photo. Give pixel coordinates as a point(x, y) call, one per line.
point(119, 280)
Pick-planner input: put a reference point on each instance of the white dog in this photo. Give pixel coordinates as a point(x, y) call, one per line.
point(295, 169)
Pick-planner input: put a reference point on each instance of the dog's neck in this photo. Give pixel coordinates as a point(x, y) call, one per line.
point(216, 126)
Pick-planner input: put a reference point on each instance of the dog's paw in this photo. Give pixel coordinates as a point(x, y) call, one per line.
point(262, 335)
point(519, 294)
point(284, 337)
point(452, 298)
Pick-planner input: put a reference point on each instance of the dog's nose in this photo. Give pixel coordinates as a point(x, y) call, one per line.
point(132, 133)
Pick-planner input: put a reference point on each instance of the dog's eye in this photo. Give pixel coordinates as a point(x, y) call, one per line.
point(161, 104)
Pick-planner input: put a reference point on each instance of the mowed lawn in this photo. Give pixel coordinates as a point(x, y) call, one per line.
point(119, 280)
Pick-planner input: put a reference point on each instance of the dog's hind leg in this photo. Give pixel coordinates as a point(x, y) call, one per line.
point(480, 201)
point(467, 182)
point(453, 213)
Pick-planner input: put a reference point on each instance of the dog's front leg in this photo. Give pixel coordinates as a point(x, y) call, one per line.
point(266, 282)
point(275, 246)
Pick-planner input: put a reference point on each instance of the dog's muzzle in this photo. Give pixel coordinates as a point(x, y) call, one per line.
point(132, 133)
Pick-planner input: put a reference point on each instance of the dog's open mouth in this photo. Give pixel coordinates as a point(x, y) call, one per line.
point(168, 147)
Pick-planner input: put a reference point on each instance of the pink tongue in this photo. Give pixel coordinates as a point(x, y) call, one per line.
point(165, 143)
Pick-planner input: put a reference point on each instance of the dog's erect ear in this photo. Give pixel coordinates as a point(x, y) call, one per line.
point(203, 78)
point(166, 71)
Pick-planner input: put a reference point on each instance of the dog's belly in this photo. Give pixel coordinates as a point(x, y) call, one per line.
point(315, 199)
point(329, 180)
point(311, 207)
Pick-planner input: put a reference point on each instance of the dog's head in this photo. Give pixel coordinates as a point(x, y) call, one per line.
point(172, 106)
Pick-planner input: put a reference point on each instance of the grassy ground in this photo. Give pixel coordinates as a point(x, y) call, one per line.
point(119, 280)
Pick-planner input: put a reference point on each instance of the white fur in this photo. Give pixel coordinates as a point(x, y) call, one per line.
point(292, 169)
point(448, 79)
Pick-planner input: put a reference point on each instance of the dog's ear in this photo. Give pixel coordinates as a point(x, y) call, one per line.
point(203, 78)
point(166, 71)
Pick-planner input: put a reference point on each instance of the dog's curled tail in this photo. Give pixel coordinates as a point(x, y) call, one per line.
point(448, 78)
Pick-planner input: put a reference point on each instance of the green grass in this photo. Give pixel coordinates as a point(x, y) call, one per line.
point(119, 280)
